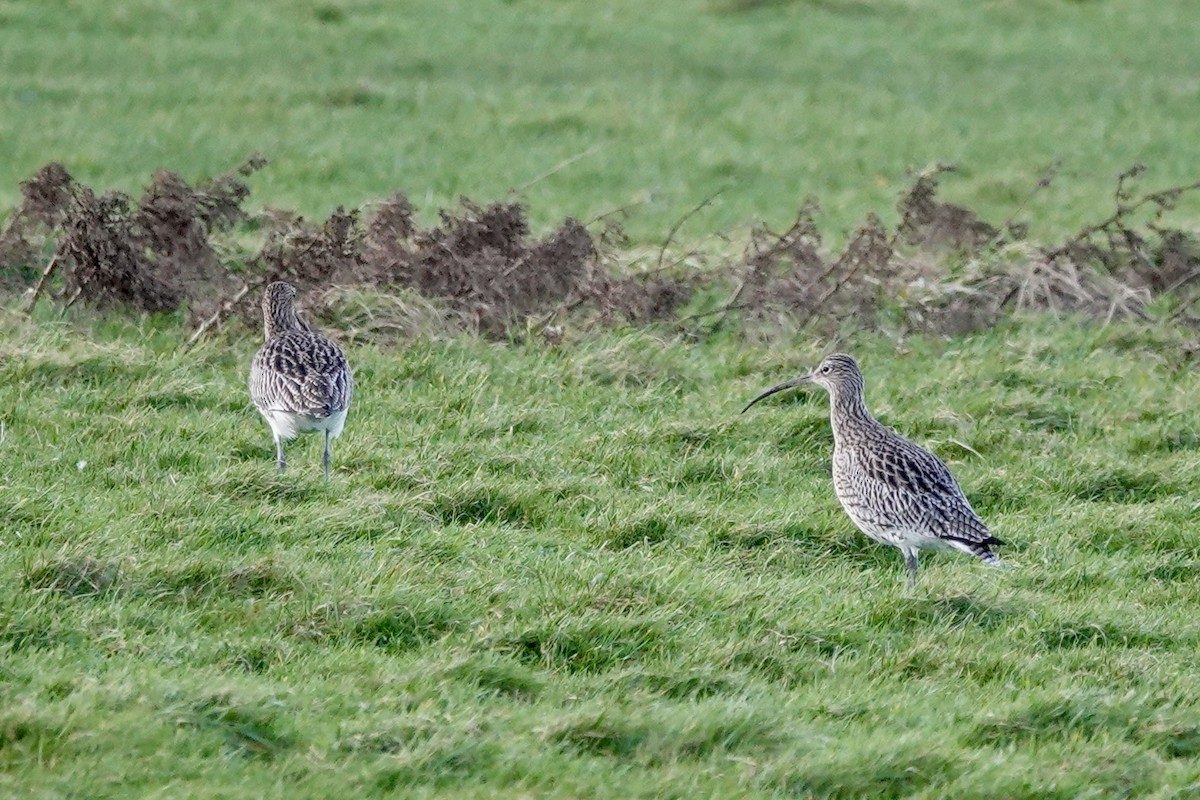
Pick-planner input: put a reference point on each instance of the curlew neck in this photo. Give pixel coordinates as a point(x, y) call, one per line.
point(279, 317)
point(848, 411)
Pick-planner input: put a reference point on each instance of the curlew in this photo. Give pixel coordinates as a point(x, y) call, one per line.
point(896, 492)
point(299, 380)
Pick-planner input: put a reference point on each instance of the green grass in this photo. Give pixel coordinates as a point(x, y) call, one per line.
point(661, 104)
point(578, 572)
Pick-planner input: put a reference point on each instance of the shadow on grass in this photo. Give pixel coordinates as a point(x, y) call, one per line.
point(486, 504)
point(439, 763)
point(628, 735)
point(689, 685)
point(78, 576)
point(26, 734)
point(98, 370)
point(799, 655)
point(893, 775)
point(200, 579)
point(496, 675)
point(1117, 485)
point(804, 539)
point(255, 657)
point(952, 611)
point(996, 495)
point(1050, 718)
point(1071, 634)
point(394, 625)
point(651, 529)
point(18, 637)
point(267, 483)
point(400, 626)
point(247, 730)
point(587, 647)
point(1169, 732)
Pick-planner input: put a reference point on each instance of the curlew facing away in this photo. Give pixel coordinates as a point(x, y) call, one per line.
point(299, 380)
point(895, 491)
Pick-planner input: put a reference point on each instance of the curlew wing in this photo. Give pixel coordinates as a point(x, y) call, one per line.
point(301, 372)
point(922, 494)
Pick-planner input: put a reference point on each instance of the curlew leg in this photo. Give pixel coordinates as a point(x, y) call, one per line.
point(280, 457)
point(910, 564)
point(328, 458)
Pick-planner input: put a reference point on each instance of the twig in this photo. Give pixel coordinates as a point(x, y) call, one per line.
point(833, 267)
point(41, 284)
point(1183, 309)
point(516, 265)
point(721, 310)
point(1122, 211)
point(613, 212)
point(830, 292)
point(71, 302)
point(673, 263)
point(1184, 281)
point(679, 224)
point(566, 162)
point(221, 312)
point(856, 261)
point(1047, 178)
point(13, 222)
point(1121, 194)
point(730, 304)
point(1013, 292)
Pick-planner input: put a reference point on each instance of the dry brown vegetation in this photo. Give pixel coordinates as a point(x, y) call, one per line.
point(941, 268)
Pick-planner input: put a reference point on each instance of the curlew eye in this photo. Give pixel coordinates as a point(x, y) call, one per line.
point(825, 370)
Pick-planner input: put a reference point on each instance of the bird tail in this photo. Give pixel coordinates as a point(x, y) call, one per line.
point(988, 557)
point(981, 549)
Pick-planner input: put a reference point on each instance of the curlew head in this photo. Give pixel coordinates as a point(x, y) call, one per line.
point(838, 374)
point(279, 309)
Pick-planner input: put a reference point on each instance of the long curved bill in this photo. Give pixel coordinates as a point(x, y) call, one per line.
point(779, 388)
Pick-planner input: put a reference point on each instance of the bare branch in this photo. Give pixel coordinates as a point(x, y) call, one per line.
point(679, 224)
point(219, 315)
point(41, 284)
point(1122, 211)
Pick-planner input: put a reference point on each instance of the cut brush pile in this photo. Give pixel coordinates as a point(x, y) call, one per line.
point(940, 269)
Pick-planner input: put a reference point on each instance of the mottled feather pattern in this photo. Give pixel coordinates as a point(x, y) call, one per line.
point(901, 464)
point(893, 490)
point(299, 380)
point(896, 488)
point(301, 372)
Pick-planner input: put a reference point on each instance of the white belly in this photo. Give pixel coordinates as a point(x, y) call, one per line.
point(288, 424)
point(902, 536)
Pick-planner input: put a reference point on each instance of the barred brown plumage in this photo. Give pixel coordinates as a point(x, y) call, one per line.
point(895, 491)
point(299, 380)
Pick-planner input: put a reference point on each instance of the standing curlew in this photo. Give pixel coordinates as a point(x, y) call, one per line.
point(299, 380)
point(895, 491)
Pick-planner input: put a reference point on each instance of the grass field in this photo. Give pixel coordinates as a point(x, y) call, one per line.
point(578, 572)
point(574, 570)
point(661, 105)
